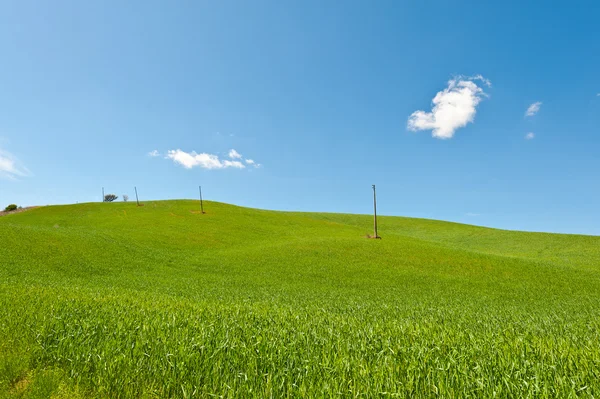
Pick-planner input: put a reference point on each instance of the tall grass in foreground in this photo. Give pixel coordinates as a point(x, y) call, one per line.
point(126, 302)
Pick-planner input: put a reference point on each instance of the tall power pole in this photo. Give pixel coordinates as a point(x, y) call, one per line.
point(201, 204)
point(136, 197)
point(375, 213)
point(103, 194)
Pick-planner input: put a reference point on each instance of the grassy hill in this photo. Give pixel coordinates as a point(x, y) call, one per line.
point(114, 300)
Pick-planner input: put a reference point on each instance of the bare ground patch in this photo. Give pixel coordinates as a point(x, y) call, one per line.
point(4, 213)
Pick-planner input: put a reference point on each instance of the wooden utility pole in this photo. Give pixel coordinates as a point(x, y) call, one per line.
point(136, 197)
point(201, 204)
point(103, 194)
point(375, 213)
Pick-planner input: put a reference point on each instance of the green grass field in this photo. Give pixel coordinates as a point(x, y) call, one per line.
point(118, 301)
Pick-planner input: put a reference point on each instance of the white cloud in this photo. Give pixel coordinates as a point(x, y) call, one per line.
point(598, 95)
point(233, 164)
point(233, 154)
point(485, 81)
point(533, 108)
point(154, 153)
point(471, 214)
point(203, 160)
point(10, 167)
point(453, 108)
point(530, 136)
point(253, 163)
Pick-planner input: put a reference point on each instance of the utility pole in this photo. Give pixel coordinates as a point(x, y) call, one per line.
point(375, 213)
point(201, 204)
point(102, 194)
point(136, 197)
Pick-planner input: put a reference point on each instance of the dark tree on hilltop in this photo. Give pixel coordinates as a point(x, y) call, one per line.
point(110, 197)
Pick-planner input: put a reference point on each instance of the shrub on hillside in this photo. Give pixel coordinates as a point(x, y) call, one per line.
point(125, 197)
point(110, 197)
point(11, 207)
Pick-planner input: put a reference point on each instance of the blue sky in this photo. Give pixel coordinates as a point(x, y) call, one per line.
point(324, 95)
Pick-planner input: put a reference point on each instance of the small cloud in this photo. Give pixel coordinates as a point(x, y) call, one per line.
point(233, 154)
point(252, 163)
point(533, 108)
point(485, 81)
point(154, 153)
point(233, 164)
point(10, 167)
point(598, 95)
point(203, 160)
point(471, 214)
point(453, 108)
point(530, 136)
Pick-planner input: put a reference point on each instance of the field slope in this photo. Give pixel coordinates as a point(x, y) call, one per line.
point(118, 301)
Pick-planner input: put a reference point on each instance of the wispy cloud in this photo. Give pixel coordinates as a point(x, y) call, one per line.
point(10, 167)
point(533, 108)
point(598, 95)
point(530, 136)
point(485, 81)
point(251, 162)
point(472, 214)
point(203, 160)
point(233, 154)
point(453, 108)
point(154, 153)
